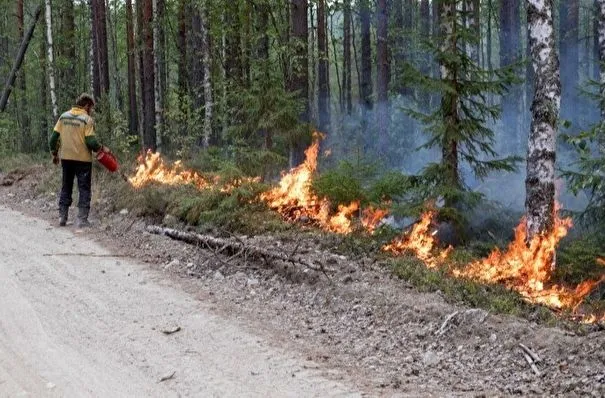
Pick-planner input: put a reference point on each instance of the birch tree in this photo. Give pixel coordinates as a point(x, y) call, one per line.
point(208, 101)
point(540, 182)
point(50, 66)
point(601, 38)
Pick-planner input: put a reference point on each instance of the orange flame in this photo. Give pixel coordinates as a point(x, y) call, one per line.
point(527, 268)
point(371, 218)
point(293, 198)
point(421, 242)
point(152, 168)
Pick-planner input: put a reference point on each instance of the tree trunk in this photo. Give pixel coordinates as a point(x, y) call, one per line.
point(596, 73)
point(196, 70)
point(601, 40)
point(346, 60)
point(66, 53)
point(299, 76)
point(182, 47)
point(473, 8)
point(490, 65)
point(149, 132)
point(101, 54)
point(23, 114)
point(540, 182)
point(366, 57)
point(94, 54)
point(323, 100)
point(43, 114)
point(569, 12)
point(133, 117)
point(510, 53)
point(117, 80)
point(10, 81)
point(382, 76)
point(425, 60)
point(450, 99)
point(159, 68)
point(208, 101)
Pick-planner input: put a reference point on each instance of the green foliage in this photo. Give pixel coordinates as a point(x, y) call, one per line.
point(494, 298)
point(111, 127)
point(577, 259)
point(460, 126)
point(588, 174)
point(363, 181)
point(9, 133)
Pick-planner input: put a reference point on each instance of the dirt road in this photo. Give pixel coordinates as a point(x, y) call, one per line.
point(77, 321)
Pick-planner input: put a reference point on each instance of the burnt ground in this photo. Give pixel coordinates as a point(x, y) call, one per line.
point(387, 337)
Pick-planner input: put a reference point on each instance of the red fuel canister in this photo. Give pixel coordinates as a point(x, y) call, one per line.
point(108, 160)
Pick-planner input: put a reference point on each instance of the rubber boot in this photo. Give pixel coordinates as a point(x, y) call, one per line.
point(83, 218)
point(63, 212)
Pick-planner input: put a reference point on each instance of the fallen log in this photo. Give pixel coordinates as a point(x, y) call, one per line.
point(235, 247)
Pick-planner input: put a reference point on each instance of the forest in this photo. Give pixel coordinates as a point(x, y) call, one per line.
point(452, 120)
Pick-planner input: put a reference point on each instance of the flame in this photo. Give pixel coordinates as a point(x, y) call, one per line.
point(295, 201)
point(420, 241)
point(152, 168)
point(371, 218)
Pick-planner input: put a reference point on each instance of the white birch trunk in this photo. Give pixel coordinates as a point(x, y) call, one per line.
point(157, 84)
point(540, 182)
point(208, 105)
point(50, 68)
point(601, 37)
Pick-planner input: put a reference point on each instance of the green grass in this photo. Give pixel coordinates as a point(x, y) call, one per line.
point(493, 298)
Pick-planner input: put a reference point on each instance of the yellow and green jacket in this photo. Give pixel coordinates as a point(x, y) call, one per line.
point(73, 137)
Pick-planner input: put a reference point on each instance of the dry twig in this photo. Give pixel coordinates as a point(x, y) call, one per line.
point(236, 247)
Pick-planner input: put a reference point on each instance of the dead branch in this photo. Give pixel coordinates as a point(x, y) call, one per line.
point(236, 247)
point(444, 325)
point(531, 363)
point(529, 352)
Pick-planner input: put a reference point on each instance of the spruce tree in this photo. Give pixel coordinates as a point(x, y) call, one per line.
point(460, 126)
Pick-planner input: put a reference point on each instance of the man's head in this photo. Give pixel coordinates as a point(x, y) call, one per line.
point(86, 101)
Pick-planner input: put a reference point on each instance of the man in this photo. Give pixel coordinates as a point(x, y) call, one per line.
point(72, 143)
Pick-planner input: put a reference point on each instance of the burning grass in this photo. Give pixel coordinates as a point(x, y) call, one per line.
point(525, 268)
point(294, 199)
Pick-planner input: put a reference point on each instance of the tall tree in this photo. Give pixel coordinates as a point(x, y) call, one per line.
point(540, 182)
point(347, 101)
point(510, 53)
point(66, 53)
point(159, 65)
point(133, 117)
point(101, 55)
point(323, 99)
point(50, 66)
point(366, 56)
point(382, 76)
point(181, 45)
point(569, 12)
point(299, 75)
point(148, 76)
point(24, 115)
point(208, 101)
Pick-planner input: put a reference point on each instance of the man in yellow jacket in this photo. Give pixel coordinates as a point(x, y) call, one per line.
point(72, 143)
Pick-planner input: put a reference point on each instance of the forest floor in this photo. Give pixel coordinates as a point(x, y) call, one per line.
point(385, 336)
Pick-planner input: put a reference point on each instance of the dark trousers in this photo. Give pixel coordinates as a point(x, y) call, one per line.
point(83, 172)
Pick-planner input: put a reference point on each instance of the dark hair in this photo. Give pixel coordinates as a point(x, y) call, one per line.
point(84, 100)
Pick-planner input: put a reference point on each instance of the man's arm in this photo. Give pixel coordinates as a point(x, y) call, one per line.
point(92, 143)
point(53, 144)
